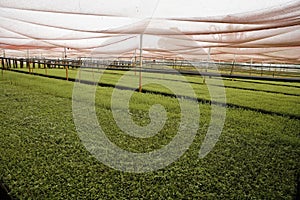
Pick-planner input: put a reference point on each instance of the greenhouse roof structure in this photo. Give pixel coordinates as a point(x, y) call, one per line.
point(260, 31)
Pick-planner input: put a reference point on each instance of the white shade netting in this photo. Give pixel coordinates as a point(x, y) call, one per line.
point(260, 31)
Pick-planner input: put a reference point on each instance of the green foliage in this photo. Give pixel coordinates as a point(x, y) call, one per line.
point(268, 96)
point(42, 157)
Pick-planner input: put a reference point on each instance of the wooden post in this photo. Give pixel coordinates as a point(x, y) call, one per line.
point(28, 65)
point(174, 62)
point(141, 62)
point(67, 72)
point(44, 61)
point(13, 63)
point(33, 63)
point(5, 63)
point(2, 61)
point(261, 69)
point(21, 63)
point(2, 68)
point(9, 63)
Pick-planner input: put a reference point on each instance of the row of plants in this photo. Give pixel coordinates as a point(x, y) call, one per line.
point(273, 98)
point(42, 157)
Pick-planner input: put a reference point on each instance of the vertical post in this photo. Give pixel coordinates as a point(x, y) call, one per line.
point(65, 63)
point(15, 63)
point(251, 66)
point(2, 61)
point(21, 63)
point(261, 69)
point(45, 66)
point(135, 62)
point(28, 64)
point(79, 74)
point(65, 52)
point(233, 64)
point(6, 63)
point(208, 59)
point(33, 63)
point(2, 68)
point(93, 74)
point(141, 62)
point(174, 62)
point(67, 72)
point(11, 63)
point(98, 64)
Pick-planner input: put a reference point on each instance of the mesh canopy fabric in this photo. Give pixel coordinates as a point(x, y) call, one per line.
point(267, 31)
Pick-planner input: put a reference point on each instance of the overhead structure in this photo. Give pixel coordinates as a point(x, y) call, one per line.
point(247, 31)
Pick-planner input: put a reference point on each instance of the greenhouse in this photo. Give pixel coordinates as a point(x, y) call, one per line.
point(150, 99)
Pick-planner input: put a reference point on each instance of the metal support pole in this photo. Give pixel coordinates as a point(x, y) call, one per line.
point(251, 66)
point(65, 52)
point(141, 62)
point(233, 65)
point(135, 62)
point(208, 60)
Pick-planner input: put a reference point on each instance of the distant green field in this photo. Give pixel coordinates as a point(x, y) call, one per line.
point(42, 157)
